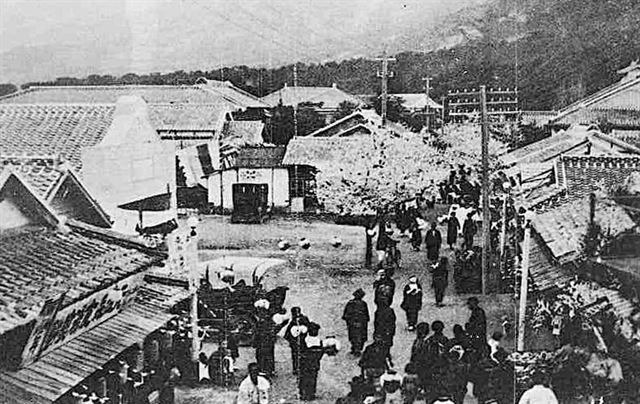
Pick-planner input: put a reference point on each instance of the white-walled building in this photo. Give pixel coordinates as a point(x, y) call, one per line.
point(260, 166)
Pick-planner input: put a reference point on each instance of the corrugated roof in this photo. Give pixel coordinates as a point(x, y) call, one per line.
point(39, 262)
point(545, 149)
point(45, 380)
point(330, 97)
point(324, 151)
point(562, 226)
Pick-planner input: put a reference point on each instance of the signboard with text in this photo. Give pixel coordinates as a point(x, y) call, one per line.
point(55, 326)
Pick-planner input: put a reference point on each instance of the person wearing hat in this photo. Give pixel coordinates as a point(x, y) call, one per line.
point(435, 361)
point(412, 301)
point(440, 279)
point(433, 241)
point(356, 315)
point(453, 226)
point(295, 334)
point(384, 324)
point(310, 357)
point(384, 288)
point(477, 321)
point(264, 341)
point(469, 230)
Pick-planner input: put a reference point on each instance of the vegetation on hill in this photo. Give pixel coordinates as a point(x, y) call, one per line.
point(563, 50)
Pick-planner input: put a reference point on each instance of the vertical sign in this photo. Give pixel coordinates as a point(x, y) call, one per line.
point(41, 328)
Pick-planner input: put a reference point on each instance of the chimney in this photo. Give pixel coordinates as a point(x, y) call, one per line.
point(334, 85)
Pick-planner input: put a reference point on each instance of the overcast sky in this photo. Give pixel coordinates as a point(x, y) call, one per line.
point(54, 37)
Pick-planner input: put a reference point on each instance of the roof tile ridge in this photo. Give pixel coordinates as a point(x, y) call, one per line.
point(114, 236)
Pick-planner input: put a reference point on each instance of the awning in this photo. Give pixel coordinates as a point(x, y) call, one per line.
point(45, 380)
point(155, 203)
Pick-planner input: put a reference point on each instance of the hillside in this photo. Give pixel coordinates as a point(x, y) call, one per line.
point(563, 50)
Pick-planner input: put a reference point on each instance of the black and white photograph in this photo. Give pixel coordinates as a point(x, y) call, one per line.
point(319, 201)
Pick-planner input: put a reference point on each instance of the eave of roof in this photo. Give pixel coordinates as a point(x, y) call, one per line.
point(596, 97)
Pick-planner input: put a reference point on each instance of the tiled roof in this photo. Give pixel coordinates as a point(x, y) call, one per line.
point(259, 157)
point(546, 275)
point(58, 130)
point(37, 263)
point(330, 97)
point(369, 118)
point(549, 277)
point(42, 173)
point(416, 101)
point(324, 151)
point(235, 95)
point(583, 174)
point(618, 103)
point(538, 118)
point(188, 117)
point(66, 129)
point(545, 149)
point(562, 226)
point(109, 94)
point(45, 380)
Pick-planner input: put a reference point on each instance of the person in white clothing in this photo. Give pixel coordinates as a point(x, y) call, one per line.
point(538, 394)
point(254, 389)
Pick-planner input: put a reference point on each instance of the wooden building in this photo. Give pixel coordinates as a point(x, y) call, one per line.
point(78, 317)
point(616, 108)
point(325, 100)
point(256, 165)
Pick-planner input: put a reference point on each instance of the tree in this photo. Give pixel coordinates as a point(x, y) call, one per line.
point(386, 168)
point(7, 88)
point(309, 120)
point(345, 108)
point(282, 124)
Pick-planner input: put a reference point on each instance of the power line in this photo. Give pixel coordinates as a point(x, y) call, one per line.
point(269, 25)
point(228, 19)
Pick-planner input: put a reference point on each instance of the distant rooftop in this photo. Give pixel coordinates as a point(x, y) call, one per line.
point(330, 97)
point(208, 92)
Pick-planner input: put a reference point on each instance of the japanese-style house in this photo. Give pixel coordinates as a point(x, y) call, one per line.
point(78, 321)
point(616, 108)
point(189, 116)
point(324, 100)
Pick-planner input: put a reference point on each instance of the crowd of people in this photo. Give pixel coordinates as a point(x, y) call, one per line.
point(439, 369)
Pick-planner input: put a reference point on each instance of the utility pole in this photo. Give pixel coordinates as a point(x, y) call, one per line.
point(194, 275)
point(442, 100)
point(384, 74)
point(486, 214)
point(427, 107)
point(295, 107)
point(503, 233)
point(524, 284)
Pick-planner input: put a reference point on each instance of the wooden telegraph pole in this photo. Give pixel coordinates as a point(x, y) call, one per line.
point(524, 283)
point(497, 104)
point(486, 214)
point(384, 74)
point(295, 107)
point(427, 107)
